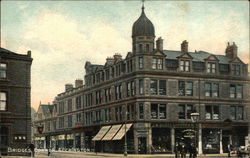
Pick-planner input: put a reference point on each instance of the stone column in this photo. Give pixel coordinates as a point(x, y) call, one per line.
point(220, 136)
point(149, 139)
point(200, 140)
point(74, 141)
point(135, 141)
point(82, 135)
point(172, 139)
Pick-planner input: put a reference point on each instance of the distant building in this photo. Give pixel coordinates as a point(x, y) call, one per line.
point(15, 118)
point(154, 91)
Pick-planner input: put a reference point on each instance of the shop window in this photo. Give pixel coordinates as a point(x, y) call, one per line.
point(158, 111)
point(212, 112)
point(3, 70)
point(141, 87)
point(185, 88)
point(3, 101)
point(211, 67)
point(237, 112)
point(185, 65)
point(141, 111)
point(236, 91)
point(211, 89)
point(140, 62)
point(185, 111)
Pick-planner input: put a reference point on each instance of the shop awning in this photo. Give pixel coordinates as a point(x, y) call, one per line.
point(121, 132)
point(101, 133)
point(111, 133)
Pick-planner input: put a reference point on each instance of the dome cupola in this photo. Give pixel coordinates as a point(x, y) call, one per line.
point(143, 26)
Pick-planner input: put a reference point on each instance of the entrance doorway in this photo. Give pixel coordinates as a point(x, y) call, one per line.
point(4, 142)
point(142, 145)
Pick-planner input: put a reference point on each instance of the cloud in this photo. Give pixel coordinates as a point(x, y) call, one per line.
point(60, 47)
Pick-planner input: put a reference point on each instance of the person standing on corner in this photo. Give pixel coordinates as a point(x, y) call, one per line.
point(32, 149)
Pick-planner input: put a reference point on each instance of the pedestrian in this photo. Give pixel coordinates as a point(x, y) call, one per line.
point(177, 150)
point(230, 148)
point(32, 149)
point(183, 151)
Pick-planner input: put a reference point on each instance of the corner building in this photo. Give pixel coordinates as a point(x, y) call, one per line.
point(153, 91)
point(15, 117)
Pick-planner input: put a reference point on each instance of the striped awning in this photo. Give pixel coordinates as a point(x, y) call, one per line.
point(101, 133)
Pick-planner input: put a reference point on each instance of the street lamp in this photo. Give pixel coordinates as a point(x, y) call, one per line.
point(125, 136)
point(195, 119)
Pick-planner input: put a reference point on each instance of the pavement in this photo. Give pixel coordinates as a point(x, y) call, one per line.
point(69, 154)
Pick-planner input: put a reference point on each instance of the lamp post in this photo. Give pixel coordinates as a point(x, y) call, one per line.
point(195, 118)
point(125, 136)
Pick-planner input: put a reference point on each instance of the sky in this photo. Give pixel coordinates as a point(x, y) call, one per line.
point(63, 35)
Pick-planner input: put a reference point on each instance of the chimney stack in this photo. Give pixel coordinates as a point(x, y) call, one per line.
point(117, 56)
point(78, 83)
point(184, 47)
point(68, 87)
point(159, 44)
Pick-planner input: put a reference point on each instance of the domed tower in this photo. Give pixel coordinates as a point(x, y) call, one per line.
point(143, 34)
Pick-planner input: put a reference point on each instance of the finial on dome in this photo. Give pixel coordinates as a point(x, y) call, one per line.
point(142, 5)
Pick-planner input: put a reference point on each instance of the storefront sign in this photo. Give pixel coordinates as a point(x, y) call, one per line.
point(189, 133)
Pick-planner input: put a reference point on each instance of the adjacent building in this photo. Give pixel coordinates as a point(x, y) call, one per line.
point(15, 119)
point(147, 98)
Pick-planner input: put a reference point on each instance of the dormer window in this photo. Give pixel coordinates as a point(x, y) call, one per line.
point(211, 67)
point(157, 63)
point(236, 69)
point(185, 65)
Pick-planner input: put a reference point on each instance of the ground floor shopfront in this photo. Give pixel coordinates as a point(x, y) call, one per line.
point(144, 138)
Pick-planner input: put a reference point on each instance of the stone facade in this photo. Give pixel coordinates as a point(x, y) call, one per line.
point(15, 118)
point(156, 91)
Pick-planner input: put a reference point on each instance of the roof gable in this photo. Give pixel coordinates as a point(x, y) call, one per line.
point(212, 58)
point(158, 53)
point(236, 60)
point(185, 55)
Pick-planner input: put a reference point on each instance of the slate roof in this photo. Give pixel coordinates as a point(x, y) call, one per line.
point(47, 109)
point(198, 56)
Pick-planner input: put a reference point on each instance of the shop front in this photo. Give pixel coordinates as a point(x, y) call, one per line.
point(161, 140)
point(211, 141)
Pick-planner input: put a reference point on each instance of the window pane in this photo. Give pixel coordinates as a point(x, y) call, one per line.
point(216, 112)
point(239, 91)
point(181, 88)
point(240, 113)
point(154, 111)
point(187, 66)
point(189, 89)
point(162, 87)
point(141, 111)
point(232, 91)
point(154, 63)
point(233, 112)
point(215, 90)
point(140, 62)
point(208, 112)
point(189, 111)
point(162, 114)
point(208, 89)
point(182, 111)
point(153, 87)
point(141, 86)
point(159, 64)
